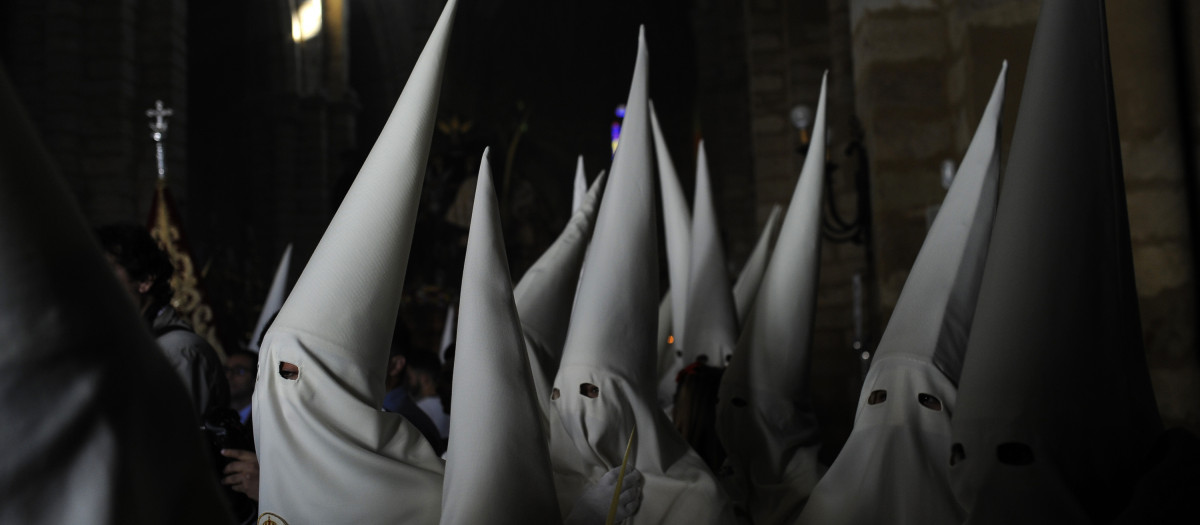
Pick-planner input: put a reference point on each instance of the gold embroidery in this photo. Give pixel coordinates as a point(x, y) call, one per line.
point(270, 518)
point(188, 300)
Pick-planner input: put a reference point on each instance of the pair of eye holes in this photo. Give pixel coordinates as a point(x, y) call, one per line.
point(926, 400)
point(1011, 453)
point(585, 389)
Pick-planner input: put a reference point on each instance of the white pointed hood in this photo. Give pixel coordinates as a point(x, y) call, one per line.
point(745, 289)
point(764, 416)
point(546, 293)
point(275, 296)
point(498, 468)
point(580, 187)
point(677, 226)
point(898, 455)
point(1055, 409)
point(321, 436)
point(606, 382)
point(711, 325)
point(81, 373)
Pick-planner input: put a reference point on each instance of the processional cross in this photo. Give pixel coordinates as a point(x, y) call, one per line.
point(159, 129)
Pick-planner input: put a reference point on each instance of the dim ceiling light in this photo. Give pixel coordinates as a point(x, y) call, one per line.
point(306, 21)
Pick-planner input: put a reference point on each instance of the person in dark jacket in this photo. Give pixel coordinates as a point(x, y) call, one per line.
point(145, 271)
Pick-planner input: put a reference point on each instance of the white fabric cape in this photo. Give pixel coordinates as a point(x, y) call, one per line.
point(97, 426)
point(898, 455)
point(498, 466)
point(327, 453)
point(1055, 408)
point(764, 417)
point(610, 345)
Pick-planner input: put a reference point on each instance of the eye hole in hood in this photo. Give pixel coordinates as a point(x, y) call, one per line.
point(289, 371)
point(589, 390)
point(929, 402)
point(877, 397)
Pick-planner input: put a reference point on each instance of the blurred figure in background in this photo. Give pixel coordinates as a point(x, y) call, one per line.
point(397, 400)
point(145, 272)
point(424, 370)
point(696, 411)
point(241, 368)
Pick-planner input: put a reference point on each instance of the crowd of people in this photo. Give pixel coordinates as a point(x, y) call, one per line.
point(569, 405)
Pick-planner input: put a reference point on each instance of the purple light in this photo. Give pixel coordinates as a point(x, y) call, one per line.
point(620, 112)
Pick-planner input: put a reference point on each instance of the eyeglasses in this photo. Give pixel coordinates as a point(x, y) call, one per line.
point(238, 370)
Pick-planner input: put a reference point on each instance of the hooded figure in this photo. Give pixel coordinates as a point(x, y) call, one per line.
point(97, 426)
point(605, 385)
point(327, 452)
point(1055, 409)
point(546, 293)
point(498, 468)
point(274, 299)
point(898, 455)
point(745, 289)
point(764, 417)
point(711, 325)
point(677, 224)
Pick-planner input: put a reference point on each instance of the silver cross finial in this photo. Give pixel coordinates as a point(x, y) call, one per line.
point(159, 129)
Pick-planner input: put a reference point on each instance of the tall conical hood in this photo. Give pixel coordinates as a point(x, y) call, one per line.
point(275, 296)
point(546, 292)
point(605, 386)
point(677, 226)
point(613, 326)
point(320, 431)
point(745, 289)
point(580, 186)
point(764, 417)
point(898, 455)
point(711, 325)
point(349, 292)
point(1055, 408)
point(932, 318)
point(80, 372)
point(498, 468)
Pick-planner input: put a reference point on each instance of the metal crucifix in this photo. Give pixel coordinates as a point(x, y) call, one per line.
point(159, 129)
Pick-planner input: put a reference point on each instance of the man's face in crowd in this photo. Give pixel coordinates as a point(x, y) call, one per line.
point(240, 371)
